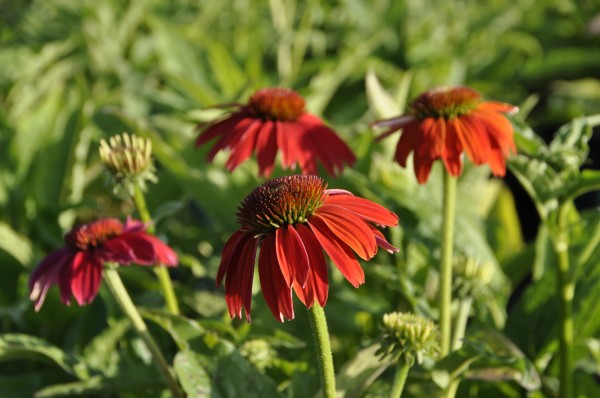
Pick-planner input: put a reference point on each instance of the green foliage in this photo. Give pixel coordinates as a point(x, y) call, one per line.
point(74, 73)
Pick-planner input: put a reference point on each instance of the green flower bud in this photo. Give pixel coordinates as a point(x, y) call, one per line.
point(409, 337)
point(259, 353)
point(129, 160)
point(472, 278)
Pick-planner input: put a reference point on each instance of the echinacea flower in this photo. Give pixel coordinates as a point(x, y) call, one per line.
point(77, 267)
point(275, 119)
point(443, 122)
point(294, 221)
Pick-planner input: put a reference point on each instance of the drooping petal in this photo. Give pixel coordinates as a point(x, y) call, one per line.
point(473, 137)
point(164, 254)
point(364, 208)
point(244, 147)
point(47, 274)
point(431, 138)
point(230, 138)
point(86, 277)
point(350, 229)
point(291, 255)
point(317, 284)
point(266, 148)
point(382, 242)
point(221, 127)
point(117, 251)
point(452, 155)
point(494, 106)
point(142, 248)
point(407, 143)
point(248, 258)
point(276, 292)
point(339, 252)
point(231, 253)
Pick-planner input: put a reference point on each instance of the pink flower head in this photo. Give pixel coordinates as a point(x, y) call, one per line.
point(77, 267)
point(274, 119)
point(445, 122)
point(295, 221)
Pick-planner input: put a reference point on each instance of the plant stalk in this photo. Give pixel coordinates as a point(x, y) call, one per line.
point(445, 299)
point(162, 273)
point(113, 280)
point(318, 324)
point(460, 327)
point(400, 379)
point(566, 292)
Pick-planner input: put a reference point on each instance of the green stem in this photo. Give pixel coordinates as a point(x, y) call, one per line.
point(460, 326)
point(449, 204)
point(162, 273)
point(113, 280)
point(318, 324)
point(400, 379)
point(566, 291)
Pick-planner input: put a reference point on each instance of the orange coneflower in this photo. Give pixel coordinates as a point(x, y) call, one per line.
point(443, 122)
point(275, 119)
point(294, 221)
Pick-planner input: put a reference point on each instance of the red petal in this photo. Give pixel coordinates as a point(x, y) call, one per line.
point(452, 155)
point(248, 259)
point(382, 242)
point(230, 138)
point(431, 138)
point(473, 138)
point(48, 273)
point(277, 293)
point(266, 148)
point(317, 284)
point(364, 208)
point(291, 255)
point(340, 253)
point(350, 229)
point(242, 150)
point(221, 127)
point(164, 254)
point(139, 244)
point(231, 253)
point(407, 142)
point(285, 146)
point(86, 277)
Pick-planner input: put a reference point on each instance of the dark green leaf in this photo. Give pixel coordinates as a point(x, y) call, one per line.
point(193, 377)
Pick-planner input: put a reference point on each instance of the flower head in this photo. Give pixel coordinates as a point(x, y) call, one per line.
point(275, 119)
point(471, 277)
point(409, 337)
point(443, 122)
point(129, 160)
point(294, 221)
point(77, 267)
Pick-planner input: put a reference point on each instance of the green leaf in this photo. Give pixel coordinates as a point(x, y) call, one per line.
point(234, 377)
point(15, 244)
point(360, 372)
point(25, 347)
point(193, 377)
point(100, 353)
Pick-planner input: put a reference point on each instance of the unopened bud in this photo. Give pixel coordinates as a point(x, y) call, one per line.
point(409, 337)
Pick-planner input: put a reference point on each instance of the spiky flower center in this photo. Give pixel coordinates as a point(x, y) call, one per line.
point(277, 104)
point(446, 102)
point(282, 201)
point(89, 236)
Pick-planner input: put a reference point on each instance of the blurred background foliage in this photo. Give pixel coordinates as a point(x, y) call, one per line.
point(74, 72)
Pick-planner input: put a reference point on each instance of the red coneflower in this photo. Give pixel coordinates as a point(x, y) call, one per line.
point(77, 267)
point(443, 122)
point(293, 220)
point(274, 118)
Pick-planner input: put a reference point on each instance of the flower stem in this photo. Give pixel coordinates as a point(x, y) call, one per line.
point(400, 379)
point(448, 209)
point(161, 271)
point(113, 280)
point(318, 324)
point(566, 291)
point(460, 326)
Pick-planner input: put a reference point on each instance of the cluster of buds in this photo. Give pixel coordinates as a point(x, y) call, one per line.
point(409, 337)
point(129, 160)
point(471, 277)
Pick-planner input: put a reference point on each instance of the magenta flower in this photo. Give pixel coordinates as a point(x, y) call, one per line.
point(77, 267)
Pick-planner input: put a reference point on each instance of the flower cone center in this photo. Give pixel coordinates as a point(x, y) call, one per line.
point(445, 102)
point(277, 104)
point(88, 236)
point(282, 201)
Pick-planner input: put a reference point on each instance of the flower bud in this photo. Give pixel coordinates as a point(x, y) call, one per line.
point(471, 277)
point(409, 337)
